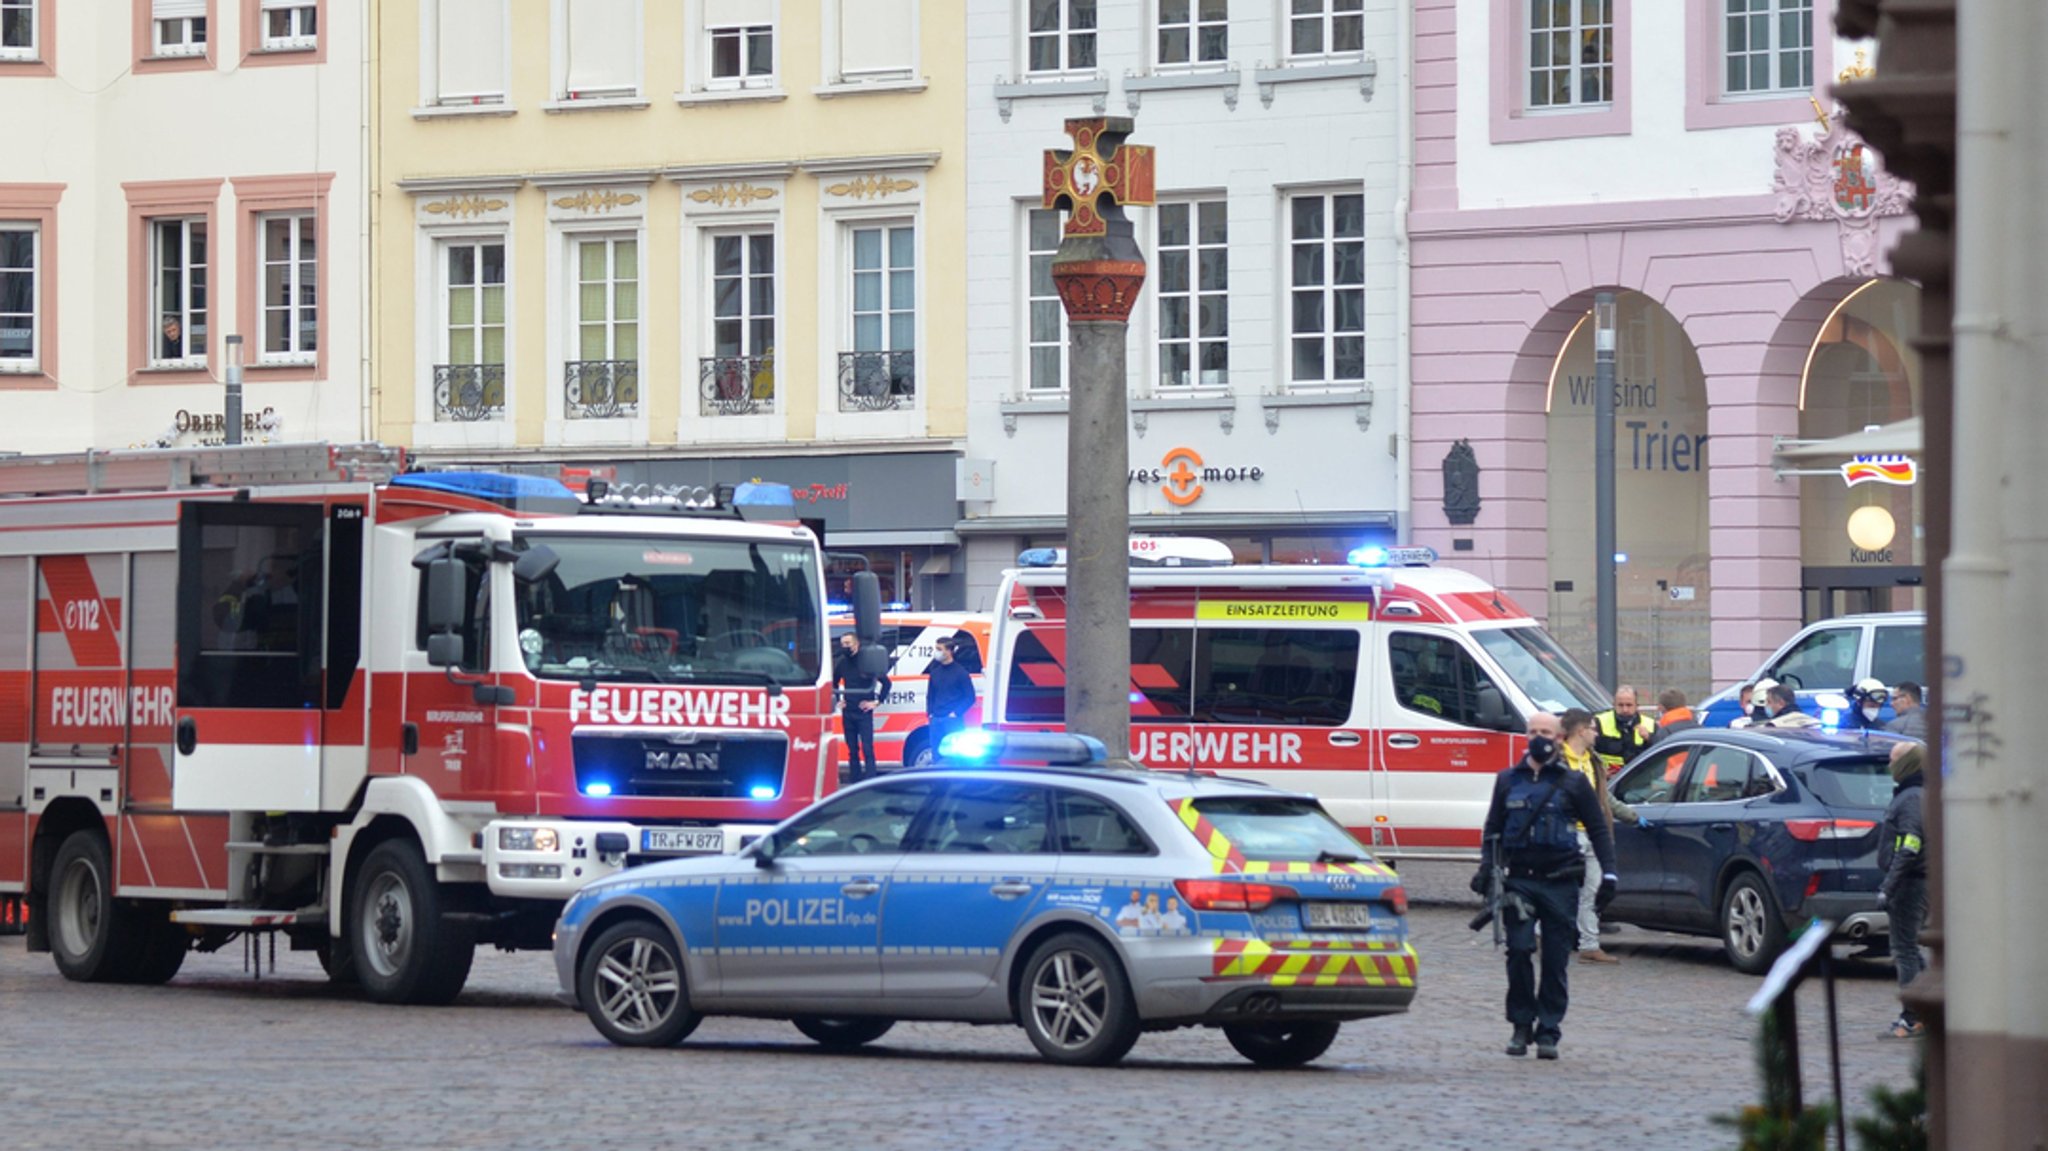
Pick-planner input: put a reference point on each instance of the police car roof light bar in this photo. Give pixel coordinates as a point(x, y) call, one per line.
point(980, 746)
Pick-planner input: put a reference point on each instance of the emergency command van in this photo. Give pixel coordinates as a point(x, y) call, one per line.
point(1391, 689)
point(391, 715)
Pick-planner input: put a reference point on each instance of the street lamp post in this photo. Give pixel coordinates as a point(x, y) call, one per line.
point(231, 409)
point(1098, 270)
point(1603, 484)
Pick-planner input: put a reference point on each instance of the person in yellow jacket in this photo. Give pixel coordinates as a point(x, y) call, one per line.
point(1579, 736)
point(1624, 731)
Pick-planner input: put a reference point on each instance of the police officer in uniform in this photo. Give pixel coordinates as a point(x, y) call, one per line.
point(1530, 833)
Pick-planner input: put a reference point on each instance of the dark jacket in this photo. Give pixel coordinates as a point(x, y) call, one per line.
point(949, 690)
point(1901, 843)
point(1574, 797)
point(855, 687)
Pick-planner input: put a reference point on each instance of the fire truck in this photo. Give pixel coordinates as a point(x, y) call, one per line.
point(389, 715)
point(1392, 689)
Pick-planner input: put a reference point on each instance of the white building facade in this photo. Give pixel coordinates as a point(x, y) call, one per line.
point(1267, 357)
point(183, 171)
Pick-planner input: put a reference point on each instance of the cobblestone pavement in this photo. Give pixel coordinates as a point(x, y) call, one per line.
point(1652, 1048)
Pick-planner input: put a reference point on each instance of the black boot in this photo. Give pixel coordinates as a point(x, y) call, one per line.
point(1518, 1044)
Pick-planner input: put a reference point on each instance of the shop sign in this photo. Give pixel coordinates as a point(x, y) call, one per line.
point(1182, 475)
point(1883, 468)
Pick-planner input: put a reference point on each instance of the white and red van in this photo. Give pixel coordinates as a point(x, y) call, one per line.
point(1392, 690)
point(913, 639)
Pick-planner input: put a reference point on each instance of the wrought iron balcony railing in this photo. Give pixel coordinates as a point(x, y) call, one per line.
point(877, 381)
point(469, 393)
point(601, 389)
point(737, 385)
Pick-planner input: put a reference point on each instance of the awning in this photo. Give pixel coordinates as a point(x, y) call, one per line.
point(1902, 438)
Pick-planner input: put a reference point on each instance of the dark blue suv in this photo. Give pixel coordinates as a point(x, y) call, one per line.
point(1751, 832)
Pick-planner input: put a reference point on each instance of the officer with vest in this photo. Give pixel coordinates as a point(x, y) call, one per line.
point(1530, 834)
point(1902, 854)
point(1624, 730)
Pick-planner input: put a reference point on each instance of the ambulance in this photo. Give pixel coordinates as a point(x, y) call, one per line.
point(1392, 689)
point(913, 638)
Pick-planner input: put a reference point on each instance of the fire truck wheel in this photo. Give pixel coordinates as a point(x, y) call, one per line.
point(632, 986)
point(163, 950)
point(92, 938)
point(405, 950)
point(842, 1034)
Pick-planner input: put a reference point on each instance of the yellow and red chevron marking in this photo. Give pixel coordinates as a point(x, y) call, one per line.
point(1221, 851)
point(1335, 944)
point(1266, 867)
point(1255, 959)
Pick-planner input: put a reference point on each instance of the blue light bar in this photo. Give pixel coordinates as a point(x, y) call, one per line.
point(1042, 557)
point(761, 791)
point(517, 493)
point(597, 789)
point(1061, 749)
point(762, 494)
point(1375, 556)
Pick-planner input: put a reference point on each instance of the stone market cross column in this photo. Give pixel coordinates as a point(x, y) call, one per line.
point(1098, 271)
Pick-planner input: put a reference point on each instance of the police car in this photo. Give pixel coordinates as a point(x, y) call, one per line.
point(1085, 903)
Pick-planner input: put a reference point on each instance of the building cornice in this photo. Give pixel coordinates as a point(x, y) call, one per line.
point(844, 165)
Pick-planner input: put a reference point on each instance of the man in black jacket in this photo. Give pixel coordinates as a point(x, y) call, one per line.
point(859, 695)
point(1901, 852)
point(948, 694)
point(1530, 833)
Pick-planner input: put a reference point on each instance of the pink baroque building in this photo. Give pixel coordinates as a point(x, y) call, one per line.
point(1686, 156)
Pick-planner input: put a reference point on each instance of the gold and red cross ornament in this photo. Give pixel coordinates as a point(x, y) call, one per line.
point(1099, 269)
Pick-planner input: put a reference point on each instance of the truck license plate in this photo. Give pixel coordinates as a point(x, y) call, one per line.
point(1339, 916)
point(682, 840)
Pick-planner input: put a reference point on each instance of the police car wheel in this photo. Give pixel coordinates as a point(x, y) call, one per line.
point(842, 1034)
point(1752, 931)
point(631, 985)
point(1282, 1044)
point(1076, 1002)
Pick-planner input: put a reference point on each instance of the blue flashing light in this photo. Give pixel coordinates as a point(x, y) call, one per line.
point(897, 605)
point(1621, 557)
point(838, 608)
point(762, 494)
point(518, 493)
point(1831, 719)
point(597, 789)
point(971, 745)
point(978, 745)
point(761, 791)
point(1375, 556)
point(1137, 697)
point(1368, 557)
point(1042, 557)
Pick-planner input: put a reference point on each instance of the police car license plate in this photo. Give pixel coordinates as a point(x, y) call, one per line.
point(1338, 916)
point(682, 840)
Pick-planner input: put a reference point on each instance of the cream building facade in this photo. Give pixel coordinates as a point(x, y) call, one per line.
point(687, 240)
point(189, 171)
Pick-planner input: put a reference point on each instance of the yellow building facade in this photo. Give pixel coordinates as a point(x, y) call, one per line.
point(683, 239)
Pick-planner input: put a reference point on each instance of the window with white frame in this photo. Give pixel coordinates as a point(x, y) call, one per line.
point(738, 377)
point(1194, 293)
point(877, 38)
point(18, 40)
point(1193, 32)
point(290, 303)
point(881, 369)
point(1768, 46)
point(1046, 324)
point(1323, 28)
point(1060, 36)
point(601, 49)
point(608, 299)
point(468, 56)
point(743, 56)
point(177, 27)
point(1326, 286)
point(1571, 53)
point(290, 24)
point(469, 378)
point(178, 299)
point(20, 344)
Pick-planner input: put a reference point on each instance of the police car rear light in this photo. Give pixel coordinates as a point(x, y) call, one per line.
point(1396, 898)
point(1231, 895)
point(1810, 830)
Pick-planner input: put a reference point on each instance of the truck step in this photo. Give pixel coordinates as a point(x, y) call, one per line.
point(254, 847)
point(249, 918)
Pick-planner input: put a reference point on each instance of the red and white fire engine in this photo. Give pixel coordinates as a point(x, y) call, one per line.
point(1392, 690)
point(390, 715)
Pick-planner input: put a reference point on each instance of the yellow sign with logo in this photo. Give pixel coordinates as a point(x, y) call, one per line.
point(1286, 611)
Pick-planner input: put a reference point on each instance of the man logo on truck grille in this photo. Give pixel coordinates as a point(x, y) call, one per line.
point(681, 760)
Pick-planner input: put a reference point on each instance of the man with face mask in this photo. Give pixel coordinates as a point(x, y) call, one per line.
point(1867, 700)
point(1530, 832)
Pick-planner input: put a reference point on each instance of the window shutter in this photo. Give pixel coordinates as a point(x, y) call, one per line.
point(604, 40)
point(875, 36)
point(270, 4)
point(471, 59)
point(727, 13)
point(176, 9)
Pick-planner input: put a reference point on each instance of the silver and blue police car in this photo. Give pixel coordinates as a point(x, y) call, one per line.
point(1086, 903)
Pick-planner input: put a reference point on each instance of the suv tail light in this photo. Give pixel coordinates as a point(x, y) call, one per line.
point(1231, 895)
point(1809, 830)
point(1397, 898)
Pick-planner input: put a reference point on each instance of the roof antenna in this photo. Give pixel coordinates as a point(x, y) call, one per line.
point(1493, 581)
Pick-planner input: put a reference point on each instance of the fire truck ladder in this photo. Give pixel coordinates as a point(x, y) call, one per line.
point(171, 469)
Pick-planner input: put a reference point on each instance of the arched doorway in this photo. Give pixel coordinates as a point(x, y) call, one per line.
point(1861, 542)
point(1663, 597)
